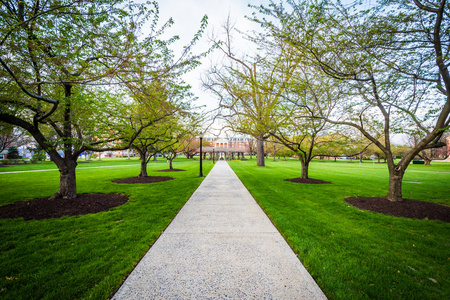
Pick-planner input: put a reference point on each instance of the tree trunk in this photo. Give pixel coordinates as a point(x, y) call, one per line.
point(274, 156)
point(260, 152)
point(335, 159)
point(305, 166)
point(143, 172)
point(67, 180)
point(395, 186)
point(170, 164)
point(427, 162)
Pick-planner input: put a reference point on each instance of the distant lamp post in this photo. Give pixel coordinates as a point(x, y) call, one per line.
point(201, 155)
point(213, 155)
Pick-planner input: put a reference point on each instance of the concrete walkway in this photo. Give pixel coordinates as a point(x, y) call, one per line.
point(221, 245)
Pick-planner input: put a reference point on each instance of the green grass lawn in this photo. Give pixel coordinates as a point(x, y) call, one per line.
point(355, 254)
point(86, 257)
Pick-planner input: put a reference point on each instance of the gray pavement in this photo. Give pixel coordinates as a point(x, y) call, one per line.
point(221, 245)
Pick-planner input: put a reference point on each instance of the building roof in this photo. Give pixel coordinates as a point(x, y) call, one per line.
point(221, 149)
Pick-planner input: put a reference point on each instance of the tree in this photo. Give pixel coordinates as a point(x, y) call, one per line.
point(188, 142)
point(305, 96)
point(376, 151)
point(162, 101)
point(249, 88)
point(286, 152)
point(251, 147)
point(173, 147)
point(400, 150)
point(10, 135)
point(189, 146)
point(68, 68)
point(13, 153)
point(430, 154)
point(393, 60)
point(145, 146)
point(273, 146)
point(181, 127)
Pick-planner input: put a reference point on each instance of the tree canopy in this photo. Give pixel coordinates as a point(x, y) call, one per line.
point(72, 72)
point(390, 59)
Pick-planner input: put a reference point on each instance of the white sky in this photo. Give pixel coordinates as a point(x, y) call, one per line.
point(187, 15)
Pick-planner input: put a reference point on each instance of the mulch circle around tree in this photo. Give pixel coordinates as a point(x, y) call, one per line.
point(170, 170)
point(44, 208)
point(147, 179)
point(308, 180)
point(407, 208)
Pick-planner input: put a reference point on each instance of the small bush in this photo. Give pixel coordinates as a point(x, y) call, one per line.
point(39, 156)
point(5, 161)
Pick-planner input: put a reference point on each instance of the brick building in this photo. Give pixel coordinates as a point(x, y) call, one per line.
point(228, 148)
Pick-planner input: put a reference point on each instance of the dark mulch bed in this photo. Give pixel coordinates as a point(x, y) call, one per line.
point(307, 180)
point(44, 208)
point(148, 179)
point(171, 170)
point(407, 208)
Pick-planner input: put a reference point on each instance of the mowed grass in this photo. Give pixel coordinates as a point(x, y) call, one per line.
point(86, 257)
point(351, 253)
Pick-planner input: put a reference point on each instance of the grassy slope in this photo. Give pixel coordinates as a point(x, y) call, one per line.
point(355, 254)
point(86, 256)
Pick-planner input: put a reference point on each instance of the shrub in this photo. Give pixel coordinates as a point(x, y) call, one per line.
point(5, 161)
point(39, 156)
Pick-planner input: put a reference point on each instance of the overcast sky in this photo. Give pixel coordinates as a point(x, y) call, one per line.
point(187, 15)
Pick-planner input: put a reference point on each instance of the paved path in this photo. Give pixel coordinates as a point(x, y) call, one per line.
point(221, 245)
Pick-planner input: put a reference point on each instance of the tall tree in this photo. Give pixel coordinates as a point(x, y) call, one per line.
point(67, 68)
point(249, 88)
point(306, 96)
point(393, 57)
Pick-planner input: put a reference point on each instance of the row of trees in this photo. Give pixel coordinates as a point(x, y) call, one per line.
point(91, 76)
point(336, 146)
point(323, 68)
